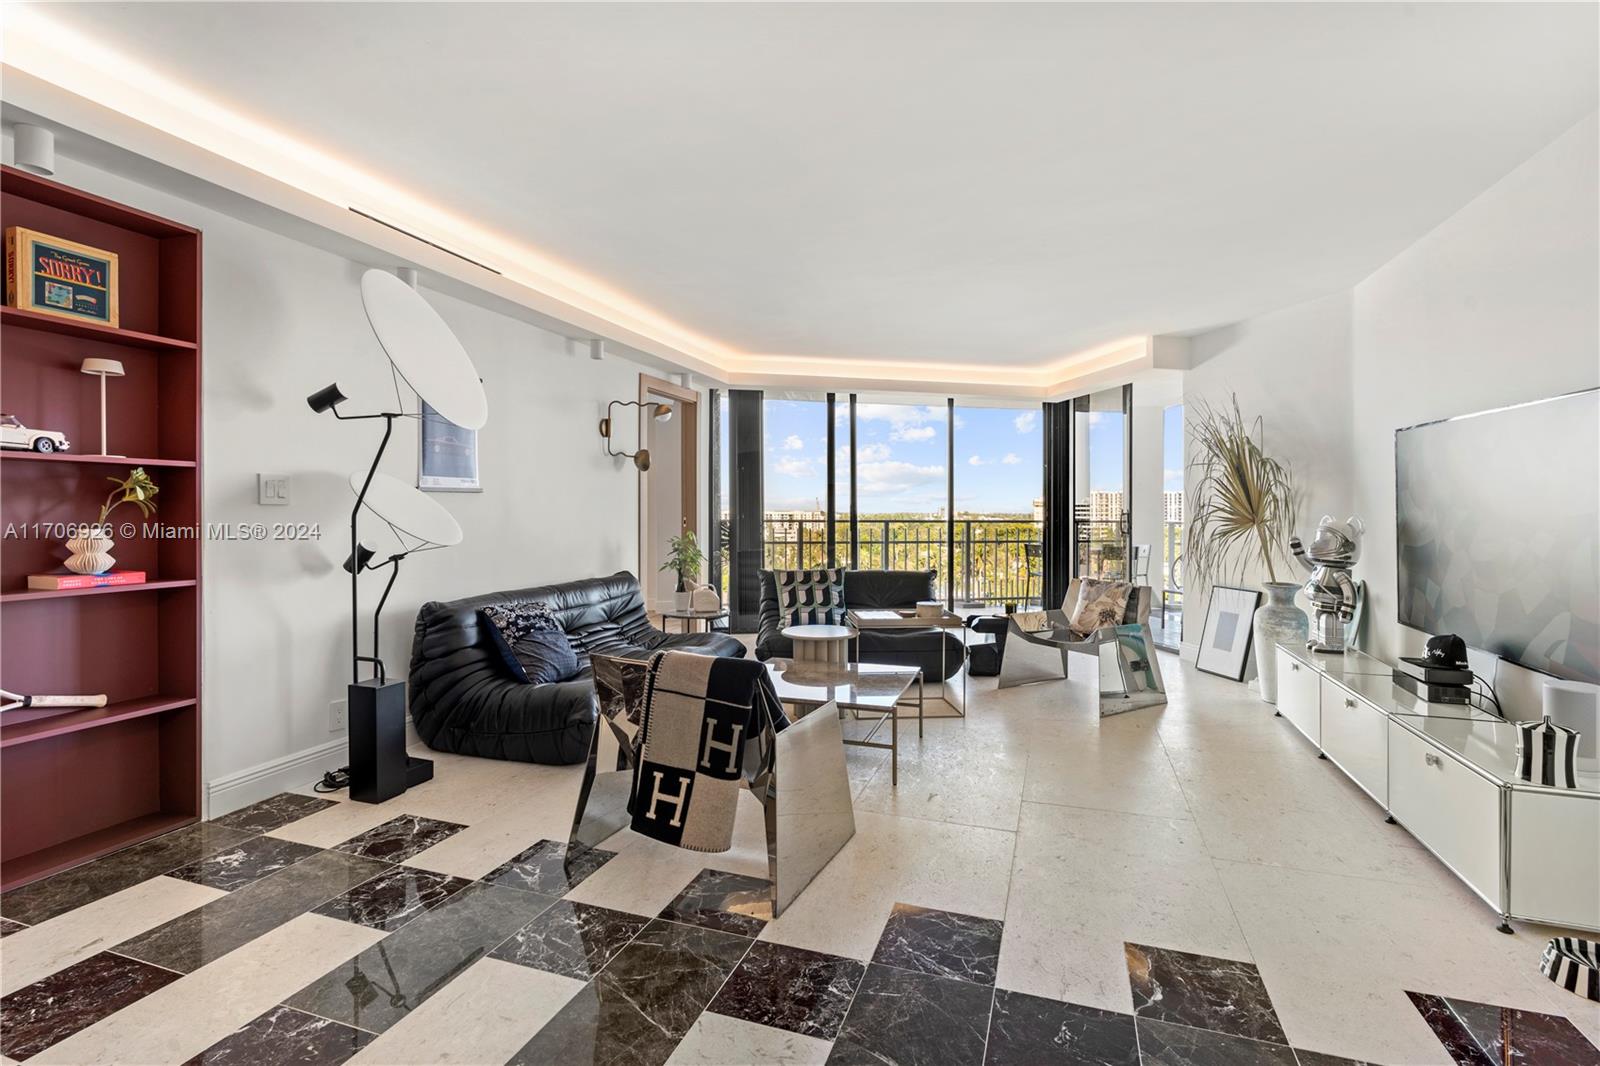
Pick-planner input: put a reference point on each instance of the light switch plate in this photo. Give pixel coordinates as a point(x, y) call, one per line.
point(272, 490)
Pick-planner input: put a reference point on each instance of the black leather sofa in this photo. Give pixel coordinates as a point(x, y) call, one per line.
point(866, 590)
point(464, 701)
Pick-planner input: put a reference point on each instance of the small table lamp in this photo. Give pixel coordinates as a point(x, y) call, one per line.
point(103, 368)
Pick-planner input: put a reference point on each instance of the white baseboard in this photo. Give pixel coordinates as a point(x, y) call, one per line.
point(296, 770)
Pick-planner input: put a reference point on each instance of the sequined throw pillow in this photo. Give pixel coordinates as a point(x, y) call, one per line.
point(531, 642)
point(1100, 603)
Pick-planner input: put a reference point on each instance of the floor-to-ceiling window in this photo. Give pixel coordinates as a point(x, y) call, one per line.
point(795, 482)
point(1167, 617)
point(1100, 484)
point(902, 486)
point(999, 506)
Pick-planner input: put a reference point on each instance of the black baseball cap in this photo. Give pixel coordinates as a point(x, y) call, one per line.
point(1447, 651)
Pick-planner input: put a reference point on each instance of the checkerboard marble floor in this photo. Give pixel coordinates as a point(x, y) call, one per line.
point(1185, 886)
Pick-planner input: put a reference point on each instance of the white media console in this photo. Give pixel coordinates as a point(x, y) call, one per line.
point(1447, 774)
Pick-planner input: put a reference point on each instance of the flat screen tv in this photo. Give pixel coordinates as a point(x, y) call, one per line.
point(1499, 531)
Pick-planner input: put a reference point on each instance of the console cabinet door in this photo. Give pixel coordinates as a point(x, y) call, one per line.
point(1297, 695)
point(1555, 858)
point(1355, 734)
point(1454, 811)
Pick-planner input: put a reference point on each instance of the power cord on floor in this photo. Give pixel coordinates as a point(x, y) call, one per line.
point(333, 780)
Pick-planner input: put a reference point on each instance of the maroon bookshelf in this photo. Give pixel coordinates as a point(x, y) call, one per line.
point(78, 783)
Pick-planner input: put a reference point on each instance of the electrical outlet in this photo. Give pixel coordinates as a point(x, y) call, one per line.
point(338, 716)
point(272, 490)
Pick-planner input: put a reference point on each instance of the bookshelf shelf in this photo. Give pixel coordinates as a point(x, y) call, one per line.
point(78, 783)
point(129, 461)
point(31, 595)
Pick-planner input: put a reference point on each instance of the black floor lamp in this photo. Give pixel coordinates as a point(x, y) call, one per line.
point(427, 357)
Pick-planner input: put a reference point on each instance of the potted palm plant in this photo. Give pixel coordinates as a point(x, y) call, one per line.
point(685, 557)
point(1242, 513)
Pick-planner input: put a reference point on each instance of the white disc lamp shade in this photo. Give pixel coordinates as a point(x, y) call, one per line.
point(423, 350)
point(408, 510)
point(102, 369)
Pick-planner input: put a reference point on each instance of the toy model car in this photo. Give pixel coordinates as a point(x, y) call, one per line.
point(13, 434)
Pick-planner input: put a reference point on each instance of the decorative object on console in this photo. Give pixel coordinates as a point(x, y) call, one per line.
point(15, 435)
point(1225, 638)
point(52, 276)
point(1497, 529)
point(102, 369)
point(1547, 754)
point(661, 412)
point(1279, 622)
point(425, 354)
point(1442, 675)
point(1335, 548)
point(1574, 964)
point(1242, 511)
point(685, 559)
point(90, 547)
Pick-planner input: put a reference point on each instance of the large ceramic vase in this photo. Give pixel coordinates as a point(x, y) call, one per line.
point(1279, 621)
point(91, 551)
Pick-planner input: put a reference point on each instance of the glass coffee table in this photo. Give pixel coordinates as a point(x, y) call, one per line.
point(855, 687)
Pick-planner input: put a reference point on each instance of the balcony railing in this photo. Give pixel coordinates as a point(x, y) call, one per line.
point(997, 560)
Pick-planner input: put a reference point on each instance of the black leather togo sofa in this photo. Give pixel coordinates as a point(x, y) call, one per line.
point(463, 700)
point(872, 590)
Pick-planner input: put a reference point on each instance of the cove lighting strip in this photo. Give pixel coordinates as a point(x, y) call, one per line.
point(64, 57)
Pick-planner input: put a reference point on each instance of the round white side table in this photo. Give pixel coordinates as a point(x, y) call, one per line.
point(820, 644)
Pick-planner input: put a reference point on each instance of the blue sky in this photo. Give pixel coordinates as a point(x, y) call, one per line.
point(902, 454)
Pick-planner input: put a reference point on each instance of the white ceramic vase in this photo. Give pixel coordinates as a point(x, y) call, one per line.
point(91, 551)
point(1279, 621)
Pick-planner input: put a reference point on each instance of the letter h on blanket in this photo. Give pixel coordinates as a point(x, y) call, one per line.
point(693, 731)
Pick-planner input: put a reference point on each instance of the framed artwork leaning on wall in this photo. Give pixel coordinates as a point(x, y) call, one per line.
point(1225, 638)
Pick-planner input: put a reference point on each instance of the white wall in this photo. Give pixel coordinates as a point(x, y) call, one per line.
point(1291, 368)
point(1500, 303)
point(282, 319)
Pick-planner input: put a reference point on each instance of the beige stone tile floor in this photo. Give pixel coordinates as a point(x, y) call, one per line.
point(1206, 826)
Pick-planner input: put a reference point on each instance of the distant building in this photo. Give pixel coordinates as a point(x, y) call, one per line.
point(1038, 509)
point(1105, 506)
point(1172, 508)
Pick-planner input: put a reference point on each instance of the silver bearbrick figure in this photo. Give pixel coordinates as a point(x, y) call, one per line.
point(1334, 550)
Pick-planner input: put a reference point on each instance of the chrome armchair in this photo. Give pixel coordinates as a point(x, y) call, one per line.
point(798, 775)
point(1038, 646)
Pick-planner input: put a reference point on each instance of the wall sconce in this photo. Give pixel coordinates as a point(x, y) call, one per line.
point(661, 412)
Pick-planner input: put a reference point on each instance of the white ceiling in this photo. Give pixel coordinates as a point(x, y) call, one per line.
point(979, 184)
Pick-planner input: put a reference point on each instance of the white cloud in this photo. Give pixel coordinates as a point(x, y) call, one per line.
point(1026, 421)
point(793, 443)
point(794, 466)
point(867, 453)
point(1011, 459)
point(912, 434)
point(893, 477)
point(977, 461)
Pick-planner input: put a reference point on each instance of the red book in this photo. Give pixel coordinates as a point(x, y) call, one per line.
point(64, 579)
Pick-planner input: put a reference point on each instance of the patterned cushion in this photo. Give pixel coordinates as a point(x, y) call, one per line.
point(531, 643)
point(1100, 603)
point(810, 597)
